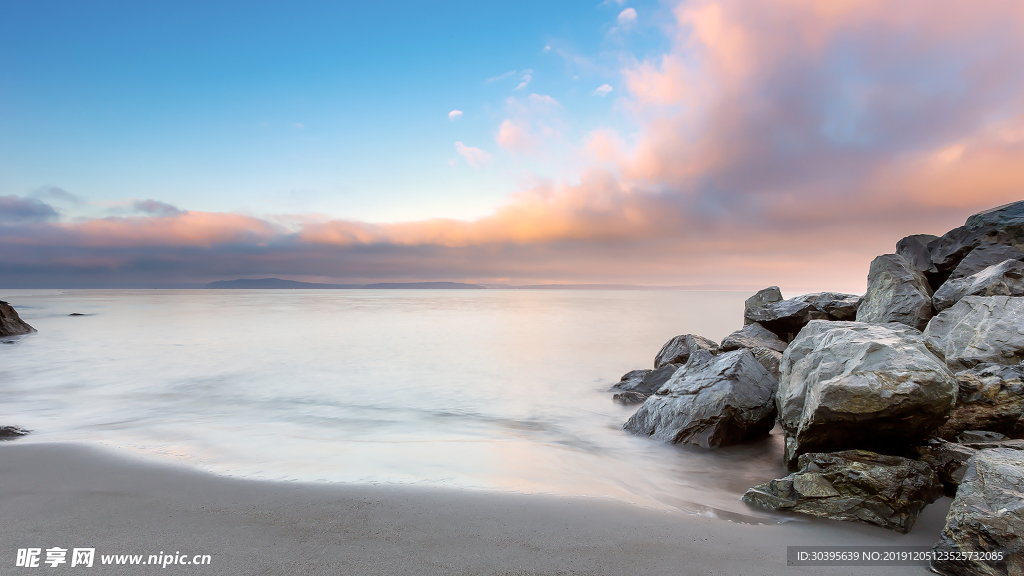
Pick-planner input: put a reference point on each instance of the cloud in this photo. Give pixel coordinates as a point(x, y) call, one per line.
point(475, 157)
point(525, 80)
point(155, 208)
point(56, 194)
point(297, 125)
point(543, 101)
point(514, 137)
point(16, 210)
point(603, 90)
point(501, 76)
point(455, 114)
point(627, 17)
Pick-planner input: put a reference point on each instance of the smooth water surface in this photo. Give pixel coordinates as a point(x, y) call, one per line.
point(495, 389)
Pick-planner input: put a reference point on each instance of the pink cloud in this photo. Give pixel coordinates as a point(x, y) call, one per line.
point(474, 156)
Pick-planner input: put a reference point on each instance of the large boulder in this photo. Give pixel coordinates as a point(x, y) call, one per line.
point(896, 293)
point(763, 298)
point(838, 306)
point(784, 318)
point(1003, 279)
point(984, 533)
point(711, 401)
point(1009, 219)
point(857, 385)
point(678, 349)
point(949, 250)
point(990, 397)
point(979, 329)
point(766, 346)
point(854, 485)
point(984, 256)
point(915, 250)
point(10, 323)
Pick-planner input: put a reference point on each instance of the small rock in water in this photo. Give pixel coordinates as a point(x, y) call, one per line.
point(10, 323)
point(628, 398)
point(76, 314)
point(854, 485)
point(12, 432)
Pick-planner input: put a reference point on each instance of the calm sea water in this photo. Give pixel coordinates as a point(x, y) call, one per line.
point(494, 389)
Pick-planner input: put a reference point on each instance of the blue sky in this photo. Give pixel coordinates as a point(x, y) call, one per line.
point(274, 107)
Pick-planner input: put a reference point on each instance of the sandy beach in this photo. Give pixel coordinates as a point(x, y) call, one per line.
point(70, 495)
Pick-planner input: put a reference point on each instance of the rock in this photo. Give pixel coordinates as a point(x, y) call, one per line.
point(646, 382)
point(711, 401)
point(1008, 219)
point(855, 485)
point(10, 323)
point(896, 293)
point(838, 306)
point(984, 256)
point(949, 459)
point(979, 329)
point(856, 385)
point(915, 250)
point(986, 516)
point(969, 436)
point(990, 397)
point(770, 359)
point(949, 250)
point(764, 297)
point(753, 336)
point(678, 349)
point(784, 318)
point(76, 314)
point(629, 398)
point(1003, 279)
point(12, 432)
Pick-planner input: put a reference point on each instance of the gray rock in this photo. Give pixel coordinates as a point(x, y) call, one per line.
point(629, 397)
point(984, 256)
point(10, 323)
point(856, 385)
point(760, 300)
point(896, 293)
point(646, 382)
point(1005, 215)
point(12, 432)
point(770, 359)
point(838, 306)
point(915, 250)
point(785, 318)
point(678, 349)
point(949, 250)
point(854, 485)
point(986, 516)
point(979, 329)
point(990, 397)
point(1003, 279)
point(949, 459)
point(711, 401)
point(969, 436)
point(753, 336)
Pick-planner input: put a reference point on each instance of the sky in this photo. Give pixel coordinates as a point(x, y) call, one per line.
point(706, 143)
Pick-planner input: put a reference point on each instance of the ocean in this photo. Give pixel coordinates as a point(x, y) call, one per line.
point(480, 389)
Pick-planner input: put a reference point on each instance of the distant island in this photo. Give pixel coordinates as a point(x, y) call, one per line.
point(277, 283)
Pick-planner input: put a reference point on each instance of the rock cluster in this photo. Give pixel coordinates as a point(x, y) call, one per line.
point(926, 371)
point(10, 323)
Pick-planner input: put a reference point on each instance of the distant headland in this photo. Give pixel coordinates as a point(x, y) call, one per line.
point(277, 283)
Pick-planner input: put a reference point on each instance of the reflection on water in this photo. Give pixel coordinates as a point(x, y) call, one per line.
point(497, 389)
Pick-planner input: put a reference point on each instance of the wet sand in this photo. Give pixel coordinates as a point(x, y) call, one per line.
point(68, 496)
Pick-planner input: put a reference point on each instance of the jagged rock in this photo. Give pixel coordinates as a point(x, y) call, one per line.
point(760, 300)
point(949, 459)
point(678, 349)
point(990, 397)
point(856, 385)
point(953, 246)
point(969, 436)
point(986, 516)
point(1003, 279)
point(12, 432)
point(785, 318)
point(838, 306)
point(646, 382)
point(896, 293)
point(979, 329)
point(915, 250)
point(854, 485)
point(711, 401)
point(982, 257)
point(630, 397)
point(753, 336)
point(1009, 219)
point(770, 359)
point(10, 323)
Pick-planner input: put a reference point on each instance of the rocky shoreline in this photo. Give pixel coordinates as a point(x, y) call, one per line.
point(886, 400)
